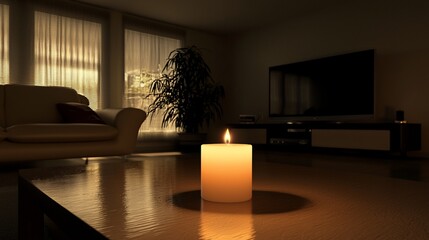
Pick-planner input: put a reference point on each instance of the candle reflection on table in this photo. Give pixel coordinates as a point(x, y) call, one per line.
point(226, 220)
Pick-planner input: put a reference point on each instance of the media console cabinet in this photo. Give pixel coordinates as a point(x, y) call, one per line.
point(389, 137)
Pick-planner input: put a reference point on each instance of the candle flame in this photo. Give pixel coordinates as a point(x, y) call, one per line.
point(227, 137)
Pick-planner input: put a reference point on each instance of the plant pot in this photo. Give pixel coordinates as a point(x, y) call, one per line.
point(191, 142)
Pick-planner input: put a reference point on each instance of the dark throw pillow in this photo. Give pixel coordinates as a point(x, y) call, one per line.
point(78, 113)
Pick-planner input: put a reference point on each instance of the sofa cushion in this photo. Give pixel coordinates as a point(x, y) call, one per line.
point(26, 104)
point(72, 112)
point(53, 133)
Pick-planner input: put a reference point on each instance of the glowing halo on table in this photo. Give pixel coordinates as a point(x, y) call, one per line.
point(226, 171)
point(226, 221)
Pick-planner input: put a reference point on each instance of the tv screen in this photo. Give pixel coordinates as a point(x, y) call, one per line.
point(331, 88)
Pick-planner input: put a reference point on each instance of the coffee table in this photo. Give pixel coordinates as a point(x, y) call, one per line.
point(158, 198)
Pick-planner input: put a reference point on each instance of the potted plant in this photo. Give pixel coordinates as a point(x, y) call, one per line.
point(186, 92)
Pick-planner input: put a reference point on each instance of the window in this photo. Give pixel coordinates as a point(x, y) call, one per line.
point(145, 56)
point(4, 44)
point(68, 53)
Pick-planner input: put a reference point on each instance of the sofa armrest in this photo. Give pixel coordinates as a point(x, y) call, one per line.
point(122, 117)
point(128, 122)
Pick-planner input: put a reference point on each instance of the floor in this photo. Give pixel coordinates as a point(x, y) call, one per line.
point(378, 171)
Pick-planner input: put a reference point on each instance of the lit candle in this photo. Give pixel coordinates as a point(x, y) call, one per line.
point(226, 171)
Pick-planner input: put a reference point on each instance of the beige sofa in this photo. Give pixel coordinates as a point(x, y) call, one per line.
point(34, 127)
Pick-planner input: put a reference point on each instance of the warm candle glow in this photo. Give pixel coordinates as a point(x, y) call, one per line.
point(226, 171)
point(226, 221)
point(227, 137)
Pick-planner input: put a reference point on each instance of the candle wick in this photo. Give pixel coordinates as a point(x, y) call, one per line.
point(227, 137)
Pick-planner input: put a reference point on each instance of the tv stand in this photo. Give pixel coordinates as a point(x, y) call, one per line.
point(387, 137)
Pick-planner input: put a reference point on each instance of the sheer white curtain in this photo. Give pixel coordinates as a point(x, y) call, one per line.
point(68, 53)
point(145, 56)
point(4, 44)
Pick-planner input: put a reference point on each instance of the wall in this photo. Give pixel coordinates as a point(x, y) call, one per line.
point(398, 32)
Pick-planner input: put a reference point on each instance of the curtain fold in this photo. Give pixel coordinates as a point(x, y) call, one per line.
point(68, 53)
point(4, 44)
point(145, 56)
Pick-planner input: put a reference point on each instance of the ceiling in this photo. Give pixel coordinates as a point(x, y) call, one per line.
point(216, 16)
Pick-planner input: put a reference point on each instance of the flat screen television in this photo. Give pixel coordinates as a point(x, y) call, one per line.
point(333, 88)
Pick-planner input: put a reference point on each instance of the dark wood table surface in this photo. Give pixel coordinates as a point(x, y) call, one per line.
point(158, 198)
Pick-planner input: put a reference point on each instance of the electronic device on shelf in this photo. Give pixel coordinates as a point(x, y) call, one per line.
point(246, 118)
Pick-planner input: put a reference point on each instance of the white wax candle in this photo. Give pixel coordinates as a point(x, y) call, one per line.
point(226, 172)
